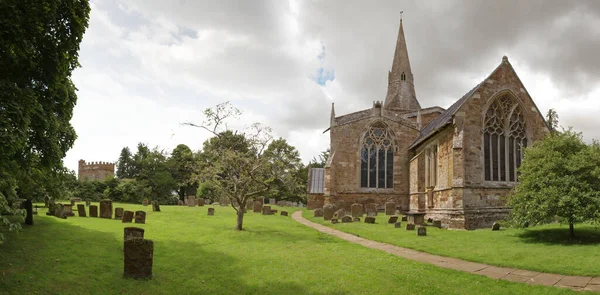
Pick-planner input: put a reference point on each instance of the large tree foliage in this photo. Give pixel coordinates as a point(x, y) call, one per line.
point(559, 177)
point(39, 44)
point(182, 164)
point(287, 167)
point(125, 164)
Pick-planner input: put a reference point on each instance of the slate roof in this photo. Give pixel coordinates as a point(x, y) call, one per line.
point(316, 183)
point(443, 119)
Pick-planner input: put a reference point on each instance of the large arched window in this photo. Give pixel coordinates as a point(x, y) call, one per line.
point(377, 158)
point(503, 139)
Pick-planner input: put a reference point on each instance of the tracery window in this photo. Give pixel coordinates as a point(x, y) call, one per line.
point(503, 139)
point(431, 166)
point(377, 158)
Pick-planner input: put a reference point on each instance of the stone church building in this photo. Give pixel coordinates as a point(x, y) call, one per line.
point(457, 165)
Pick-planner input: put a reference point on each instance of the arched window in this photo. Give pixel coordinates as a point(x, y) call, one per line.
point(503, 139)
point(403, 77)
point(377, 158)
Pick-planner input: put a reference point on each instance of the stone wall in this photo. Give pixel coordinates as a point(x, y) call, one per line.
point(315, 201)
point(95, 170)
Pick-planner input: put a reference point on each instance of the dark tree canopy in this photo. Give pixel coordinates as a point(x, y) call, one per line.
point(125, 164)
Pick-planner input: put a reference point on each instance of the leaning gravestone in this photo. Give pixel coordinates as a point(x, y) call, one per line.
point(390, 208)
point(266, 210)
point(496, 226)
point(93, 211)
point(119, 213)
point(29, 209)
point(410, 226)
point(138, 258)
point(328, 211)
point(371, 209)
point(421, 231)
point(191, 201)
point(357, 210)
point(127, 216)
point(369, 219)
point(346, 219)
point(81, 210)
point(140, 217)
point(339, 213)
point(257, 207)
point(106, 209)
point(318, 212)
point(68, 210)
point(393, 219)
point(211, 211)
point(284, 213)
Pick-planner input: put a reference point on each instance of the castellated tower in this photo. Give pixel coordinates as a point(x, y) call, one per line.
point(95, 170)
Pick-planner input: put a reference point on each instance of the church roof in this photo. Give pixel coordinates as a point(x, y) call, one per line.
point(316, 181)
point(443, 119)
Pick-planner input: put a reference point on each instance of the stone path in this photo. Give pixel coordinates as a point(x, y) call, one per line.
point(577, 283)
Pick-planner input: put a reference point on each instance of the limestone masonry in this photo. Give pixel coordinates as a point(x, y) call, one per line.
point(95, 170)
point(456, 166)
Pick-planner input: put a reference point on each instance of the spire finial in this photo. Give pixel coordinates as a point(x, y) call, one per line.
point(401, 12)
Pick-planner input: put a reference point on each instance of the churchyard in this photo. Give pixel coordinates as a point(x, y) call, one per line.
point(195, 253)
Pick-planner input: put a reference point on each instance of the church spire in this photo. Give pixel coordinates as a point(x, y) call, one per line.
point(401, 90)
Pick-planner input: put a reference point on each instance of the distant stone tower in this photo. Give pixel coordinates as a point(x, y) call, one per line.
point(95, 170)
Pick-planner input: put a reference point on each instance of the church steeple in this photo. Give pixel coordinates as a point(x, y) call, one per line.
point(401, 90)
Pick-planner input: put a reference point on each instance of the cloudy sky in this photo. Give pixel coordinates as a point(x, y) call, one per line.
point(150, 65)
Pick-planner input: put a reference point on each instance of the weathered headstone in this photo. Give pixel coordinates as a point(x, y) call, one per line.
point(371, 209)
point(145, 202)
point(328, 211)
point(334, 220)
point(390, 208)
point(106, 209)
point(437, 223)
point(261, 200)
point(356, 219)
point(257, 207)
point(393, 219)
point(140, 217)
point(93, 211)
point(72, 202)
point(68, 210)
point(421, 231)
point(138, 254)
point(339, 213)
point(119, 213)
point(347, 219)
point(266, 210)
point(191, 201)
point(369, 219)
point(211, 211)
point(397, 225)
point(272, 201)
point(410, 226)
point(179, 203)
point(284, 213)
point(29, 210)
point(496, 226)
point(356, 210)
point(59, 211)
point(132, 232)
point(273, 211)
point(155, 206)
point(200, 202)
point(318, 212)
point(127, 217)
point(88, 202)
point(404, 218)
point(81, 210)
point(51, 207)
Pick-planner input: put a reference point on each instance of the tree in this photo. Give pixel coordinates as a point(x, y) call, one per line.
point(183, 166)
point(559, 177)
point(234, 161)
point(125, 164)
point(552, 119)
point(286, 164)
point(38, 51)
point(152, 171)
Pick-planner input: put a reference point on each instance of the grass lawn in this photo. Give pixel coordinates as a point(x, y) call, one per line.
point(544, 248)
point(199, 254)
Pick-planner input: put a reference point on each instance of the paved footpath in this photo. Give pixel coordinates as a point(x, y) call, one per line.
point(577, 283)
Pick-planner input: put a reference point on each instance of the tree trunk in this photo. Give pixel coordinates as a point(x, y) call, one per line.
point(571, 231)
point(240, 218)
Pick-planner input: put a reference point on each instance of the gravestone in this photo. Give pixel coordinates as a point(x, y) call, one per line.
point(127, 217)
point(266, 210)
point(88, 202)
point(72, 202)
point(346, 219)
point(318, 212)
point(140, 217)
point(429, 220)
point(138, 254)
point(356, 210)
point(356, 219)
point(106, 209)
point(257, 207)
point(179, 203)
point(51, 207)
point(93, 211)
point(119, 213)
point(132, 232)
point(437, 223)
point(81, 210)
point(29, 209)
point(211, 211)
point(404, 218)
point(272, 201)
point(328, 211)
point(421, 231)
point(496, 226)
point(59, 211)
point(68, 210)
point(46, 201)
point(273, 211)
point(339, 213)
point(200, 202)
point(155, 206)
point(284, 213)
point(410, 226)
point(393, 219)
point(397, 225)
point(261, 200)
point(371, 209)
point(369, 219)
point(390, 208)
point(191, 201)
point(145, 202)
point(334, 220)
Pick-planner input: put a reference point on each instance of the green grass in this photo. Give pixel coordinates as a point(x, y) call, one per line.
point(544, 248)
point(200, 254)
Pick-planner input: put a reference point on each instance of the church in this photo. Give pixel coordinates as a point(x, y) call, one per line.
point(455, 165)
